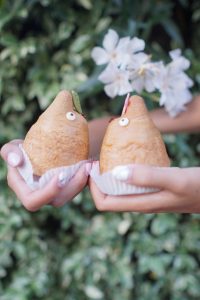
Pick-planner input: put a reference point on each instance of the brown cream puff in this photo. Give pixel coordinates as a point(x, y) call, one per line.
point(132, 139)
point(60, 135)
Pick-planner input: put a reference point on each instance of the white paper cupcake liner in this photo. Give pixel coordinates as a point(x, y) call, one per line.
point(36, 182)
point(111, 186)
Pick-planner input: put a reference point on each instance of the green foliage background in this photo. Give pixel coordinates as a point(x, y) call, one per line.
point(75, 252)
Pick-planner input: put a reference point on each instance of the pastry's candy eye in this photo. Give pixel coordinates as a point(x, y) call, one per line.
point(123, 121)
point(70, 116)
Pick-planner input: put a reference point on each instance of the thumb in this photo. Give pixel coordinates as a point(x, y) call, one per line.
point(148, 176)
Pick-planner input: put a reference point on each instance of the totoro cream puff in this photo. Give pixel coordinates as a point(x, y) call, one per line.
point(60, 135)
point(132, 139)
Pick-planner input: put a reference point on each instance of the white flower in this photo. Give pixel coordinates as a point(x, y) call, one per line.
point(175, 101)
point(136, 45)
point(112, 51)
point(175, 84)
point(144, 74)
point(116, 81)
point(115, 50)
point(130, 69)
point(130, 50)
point(180, 63)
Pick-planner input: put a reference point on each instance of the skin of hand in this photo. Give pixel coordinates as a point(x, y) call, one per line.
point(179, 190)
point(55, 193)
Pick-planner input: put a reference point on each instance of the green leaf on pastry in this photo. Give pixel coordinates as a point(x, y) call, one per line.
point(76, 102)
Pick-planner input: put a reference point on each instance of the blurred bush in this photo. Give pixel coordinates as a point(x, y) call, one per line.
point(76, 252)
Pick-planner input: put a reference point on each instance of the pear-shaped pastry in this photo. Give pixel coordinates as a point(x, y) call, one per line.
point(60, 135)
point(132, 139)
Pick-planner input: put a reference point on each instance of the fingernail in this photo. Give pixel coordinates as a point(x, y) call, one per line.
point(62, 180)
point(121, 173)
point(13, 159)
point(88, 167)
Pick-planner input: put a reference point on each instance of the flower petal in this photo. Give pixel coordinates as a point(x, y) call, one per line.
point(175, 100)
point(124, 88)
point(181, 63)
point(124, 44)
point(109, 74)
point(110, 40)
point(137, 45)
point(111, 89)
point(138, 84)
point(149, 84)
point(99, 55)
point(174, 54)
point(122, 52)
point(138, 60)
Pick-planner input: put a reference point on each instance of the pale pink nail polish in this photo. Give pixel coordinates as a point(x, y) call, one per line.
point(88, 167)
point(62, 180)
point(121, 173)
point(13, 159)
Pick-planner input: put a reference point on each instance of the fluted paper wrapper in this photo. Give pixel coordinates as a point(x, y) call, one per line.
point(36, 182)
point(111, 186)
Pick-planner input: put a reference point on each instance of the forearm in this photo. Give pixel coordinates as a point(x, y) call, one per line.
point(188, 121)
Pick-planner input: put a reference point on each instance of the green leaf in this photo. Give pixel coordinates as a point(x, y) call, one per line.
point(163, 223)
point(93, 292)
point(76, 102)
point(87, 4)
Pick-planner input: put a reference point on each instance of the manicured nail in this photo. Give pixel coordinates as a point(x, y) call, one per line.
point(13, 159)
point(88, 167)
point(62, 180)
point(121, 173)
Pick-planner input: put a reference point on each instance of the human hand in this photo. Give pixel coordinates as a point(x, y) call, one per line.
point(179, 190)
point(56, 192)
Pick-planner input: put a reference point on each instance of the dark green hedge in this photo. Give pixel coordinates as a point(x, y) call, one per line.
point(76, 252)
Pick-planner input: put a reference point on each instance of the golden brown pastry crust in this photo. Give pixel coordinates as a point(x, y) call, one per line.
point(54, 141)
point(139, 142)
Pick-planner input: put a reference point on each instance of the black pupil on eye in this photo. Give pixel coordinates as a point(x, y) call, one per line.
point(71, 114)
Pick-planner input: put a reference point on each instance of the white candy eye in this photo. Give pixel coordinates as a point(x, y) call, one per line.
point(123, 121)
point(70, 116)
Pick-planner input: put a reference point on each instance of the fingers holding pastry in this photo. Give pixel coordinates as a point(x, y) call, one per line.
point(162, 201)
point(148, 176)
point(179, 192)
point(33, 200)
